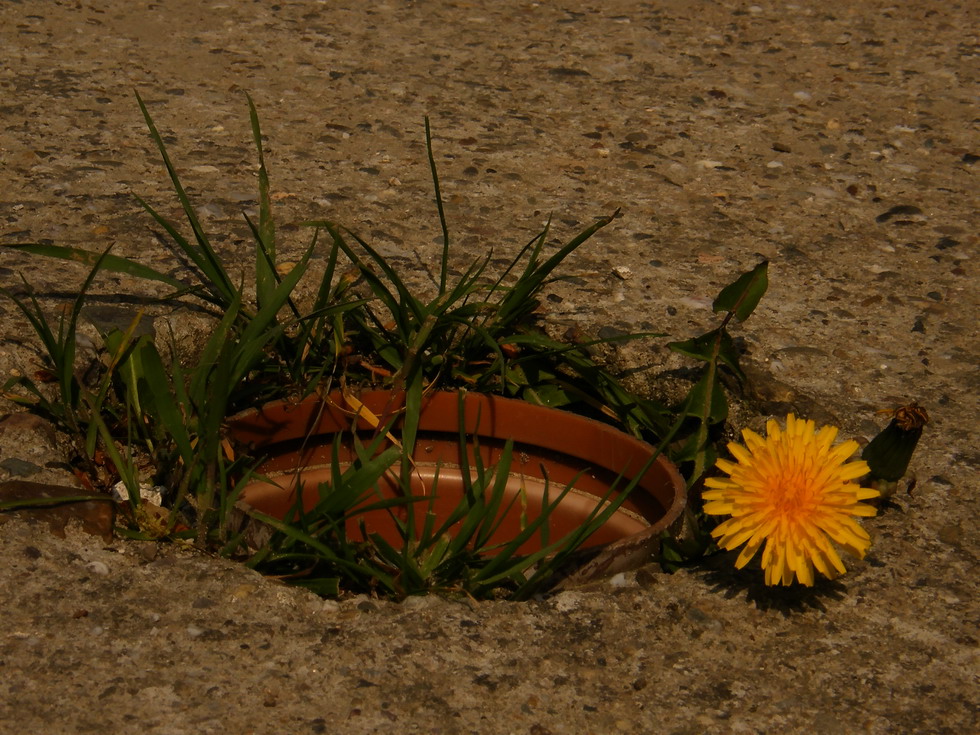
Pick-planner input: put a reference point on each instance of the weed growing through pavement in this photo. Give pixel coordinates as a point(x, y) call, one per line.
point(152, 420)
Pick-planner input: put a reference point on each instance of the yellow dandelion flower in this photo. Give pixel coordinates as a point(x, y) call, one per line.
point(793, 491)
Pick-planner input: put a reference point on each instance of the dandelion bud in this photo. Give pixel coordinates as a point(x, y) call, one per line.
point(889, 453)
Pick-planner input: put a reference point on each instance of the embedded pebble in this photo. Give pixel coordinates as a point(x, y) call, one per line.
point(623, 580)
point(98, 567)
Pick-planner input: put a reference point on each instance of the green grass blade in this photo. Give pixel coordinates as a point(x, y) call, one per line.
point(8, 505)
point(66, 339)
point(497, 494)
point(533, 245)
point(262, 327)
point(39, 323)
point(204, 253)
point(444, 261)
point(360, 571)
point(532, 280)
point(350, 488)
point(114, 263)
point(160, 401)
point(269, 275)
point(405, 298)
point(211, 280)
point(219, 343)
point(265, 256)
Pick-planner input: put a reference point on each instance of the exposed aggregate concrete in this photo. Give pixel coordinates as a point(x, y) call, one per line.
point(836, 139)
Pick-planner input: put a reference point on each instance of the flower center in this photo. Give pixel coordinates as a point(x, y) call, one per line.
point(790, 491)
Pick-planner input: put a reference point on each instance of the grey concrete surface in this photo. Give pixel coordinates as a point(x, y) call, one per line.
point(838, 140)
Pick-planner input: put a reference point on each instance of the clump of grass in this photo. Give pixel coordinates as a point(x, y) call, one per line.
point(151, 419)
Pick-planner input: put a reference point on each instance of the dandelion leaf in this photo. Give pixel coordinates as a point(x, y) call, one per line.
point(741, 297)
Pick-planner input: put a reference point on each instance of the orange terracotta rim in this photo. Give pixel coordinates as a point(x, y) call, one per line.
point(551, 450)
